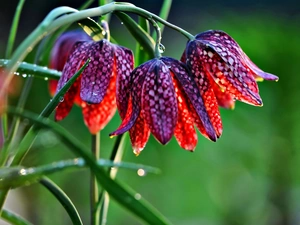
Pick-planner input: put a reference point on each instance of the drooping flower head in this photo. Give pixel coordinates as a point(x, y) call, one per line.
point(230, 75)
point(164, 100)
point(170, 97)
point(95, 89)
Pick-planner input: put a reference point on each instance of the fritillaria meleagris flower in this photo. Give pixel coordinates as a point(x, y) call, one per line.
point(164, 100)
point(95, 89)
point(223, 72)
point(168, 97)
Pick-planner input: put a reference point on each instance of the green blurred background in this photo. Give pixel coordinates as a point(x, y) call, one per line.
point(250, 176)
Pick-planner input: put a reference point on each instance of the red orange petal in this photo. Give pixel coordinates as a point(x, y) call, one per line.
point(66, 104)
point(195, 63)
point(134, 104)
point(139, 135)
point(96, 116)
point(185, 132)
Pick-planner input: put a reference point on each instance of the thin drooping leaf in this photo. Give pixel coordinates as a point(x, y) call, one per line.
point(93, 29)
point(12, 177)
point(121, 193)
point(63, 199)
point(30, 136)
point(13, 218)
point(138, 33)
point(27, 70)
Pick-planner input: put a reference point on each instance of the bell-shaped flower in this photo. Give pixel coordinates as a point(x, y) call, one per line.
point(164, 100)
point(222, 70)
point(96, 87)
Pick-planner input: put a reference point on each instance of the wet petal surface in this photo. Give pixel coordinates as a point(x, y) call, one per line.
point(97, 75)
point(125, 63)
point(195, 64)
point(159, 104)
point(96, 116)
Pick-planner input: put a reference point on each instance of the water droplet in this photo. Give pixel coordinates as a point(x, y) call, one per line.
point(141, 172)
point(61, 98)
point(137, 196)
point(46, 78)
point(16, 73)
point(103, 33)
point(24, 75)
point(22, 172)
point(161, 48)
point(122, 23)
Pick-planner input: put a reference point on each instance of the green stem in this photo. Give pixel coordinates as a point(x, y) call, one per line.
point(10, 44)
point(15, 123)
point(158, 45)
point(116, 156)
point(94, 192)
point(14, 218)
point(49, 25)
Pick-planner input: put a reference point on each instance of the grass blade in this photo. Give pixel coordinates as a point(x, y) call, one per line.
point(12, 177)
point(28, 70)
point(13, 218)
point(65, 201)
point(30, 136)
point(13, 30)
point(121, 193)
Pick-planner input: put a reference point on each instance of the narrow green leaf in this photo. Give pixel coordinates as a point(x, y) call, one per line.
point(164, 12)
point(30, 136)
point(13, 29)
point(93, 29)
point(12, 177)
point(104, 197)
point(58, 96)
point(121, 193)
point(13, 218)
point(138, 33)
point(26, 70)
point(65, 201)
